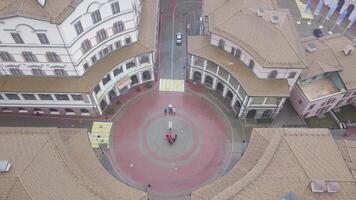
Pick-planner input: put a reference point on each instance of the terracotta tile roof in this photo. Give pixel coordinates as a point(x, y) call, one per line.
point(56, 164)
point(292, 159)
point(254, 86)
point(272, 45)
point(87, 82)
point(54, 11)
point(329, 57)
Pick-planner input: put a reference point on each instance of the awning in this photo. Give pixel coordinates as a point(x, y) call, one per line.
point(125, 81)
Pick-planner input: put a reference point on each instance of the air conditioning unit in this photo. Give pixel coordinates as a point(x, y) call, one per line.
point(275, 19)
point(310, 47)
point(5, 165)
point(348, 50)
point(260, 12)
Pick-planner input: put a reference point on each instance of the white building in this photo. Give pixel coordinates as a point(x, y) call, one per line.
point(250, 54)
point(73, 56)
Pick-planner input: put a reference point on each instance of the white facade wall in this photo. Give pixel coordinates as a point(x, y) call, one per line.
point(259, 70)
point(63, 38)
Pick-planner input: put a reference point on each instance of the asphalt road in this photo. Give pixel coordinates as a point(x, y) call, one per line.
point(175, 15)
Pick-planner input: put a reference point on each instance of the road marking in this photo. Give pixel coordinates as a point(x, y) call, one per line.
point(171, 85)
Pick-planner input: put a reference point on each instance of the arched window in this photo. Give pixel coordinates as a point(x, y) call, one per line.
point(272, 74)
point(251, 64)
point(69, 110)
point(238, 53)
point(84, 110)
point(221, 43)
point(134, 80)
point(146, 75)
point(53, 110)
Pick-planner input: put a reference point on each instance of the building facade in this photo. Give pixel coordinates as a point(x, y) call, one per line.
point(253, 66)
point(74, 57)
point(329, 82)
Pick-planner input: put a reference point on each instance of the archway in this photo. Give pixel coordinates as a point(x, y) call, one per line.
point(112, 94)
point(251, 114)
point(103, 105)
point(197, 77)
point(229, 96)
point(134, 80)
point(237, 106)
point(220, 88)
point(267, 114)
point(146, 75)
point(208, 81)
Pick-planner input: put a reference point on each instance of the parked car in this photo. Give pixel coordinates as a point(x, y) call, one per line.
point(179, 38)
point(317, 33)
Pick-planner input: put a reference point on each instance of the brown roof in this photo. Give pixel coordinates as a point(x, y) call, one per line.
point(254, 86)
point(56, 164)
point(87, 82)
point(54, 11)
point(292, 159)
point(272, 45)
point(329, 56)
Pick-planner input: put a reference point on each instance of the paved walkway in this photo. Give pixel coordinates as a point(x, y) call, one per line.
point(142, 156)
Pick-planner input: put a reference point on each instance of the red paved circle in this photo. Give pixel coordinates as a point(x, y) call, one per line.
point(142, 156)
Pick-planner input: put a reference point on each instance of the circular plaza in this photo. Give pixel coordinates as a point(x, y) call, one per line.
point(170, 143)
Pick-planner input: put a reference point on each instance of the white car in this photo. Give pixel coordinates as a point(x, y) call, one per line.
point(179, 38)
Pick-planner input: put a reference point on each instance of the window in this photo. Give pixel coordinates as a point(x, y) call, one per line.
point(12, 96)
point(238, 53)
point(6, 57)
point(300, 102)
point(95, 16)
point(29, 57)
point(349, 100)
point(43, 38)
point(101, 35)
point(130, 64)
point(62, 97)
point(311, 107)
point(232, 52)
point(78, 27)
point(67, 110)
point(17, 38)
point(77, 97)
point(52, 110)
point(53, 57)
point(340, 102)
point(45, 97)
point(106, 50)
point(1, 97)
point(292, 74)
point(106, 79)
point(29, 96)
point(144, 59)
point(84, 110)
point(118, 27)
point(93, 59)
point(346, 95)
point(16, 72)
point(115, 7)
point(38, 72)
point(117, 71)
point(60, 72)
point(86, 46)
point(221, 44)
point(128, 40)
point(251, 65)
point(97, 89)
point(272, 74)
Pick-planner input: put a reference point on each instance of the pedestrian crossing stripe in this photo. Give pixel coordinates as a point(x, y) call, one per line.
point(171, 85)
point(100, 134)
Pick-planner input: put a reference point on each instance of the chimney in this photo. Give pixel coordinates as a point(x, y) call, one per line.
point(41, 2)
point(275, 19)
point(348, 50)
point(260, 12)
point(310, 47)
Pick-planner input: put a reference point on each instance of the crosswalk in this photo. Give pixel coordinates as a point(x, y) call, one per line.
point(100, 134)
point(171, 85)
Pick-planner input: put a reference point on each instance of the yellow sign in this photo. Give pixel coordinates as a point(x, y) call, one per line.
point(100, 133)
